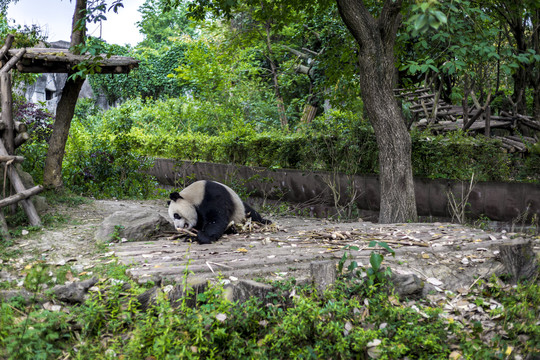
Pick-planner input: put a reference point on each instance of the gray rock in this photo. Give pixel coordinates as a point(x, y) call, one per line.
point(408, 285)
point(40, 203)
point(27, 296)
point(245, 289)
point(188, 294)
point(238, 291)
point(429, 290)
point(26, 178)
point(134, 226)
point(74, 292)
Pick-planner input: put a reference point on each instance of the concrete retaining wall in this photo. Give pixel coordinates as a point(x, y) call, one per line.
point(499, 201)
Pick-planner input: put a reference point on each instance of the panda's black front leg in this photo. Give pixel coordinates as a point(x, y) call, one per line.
point(211, 232)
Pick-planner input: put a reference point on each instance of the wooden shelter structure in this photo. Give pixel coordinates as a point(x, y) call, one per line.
point(14, 134)
point(430, 111)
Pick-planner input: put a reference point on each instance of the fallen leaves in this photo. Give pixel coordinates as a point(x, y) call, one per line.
point(344, 237)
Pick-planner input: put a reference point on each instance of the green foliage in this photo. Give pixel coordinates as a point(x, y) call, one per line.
point(159, 54)
point(42, 335)
point(375, 275)
point(160, 24)
point(115, 236)
point(109, 168)
point(339, 141)
point(293, 322)
point(149, 80)
point(65, 197)
point(25, 36)
point(36, 276)
point(97, 50)
point(456, 155)
point(39, 122)
point(101, 161)
point(426, 16)
point(521, 310)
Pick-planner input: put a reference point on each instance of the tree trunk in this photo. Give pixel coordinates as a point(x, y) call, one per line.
point(519, 260)
point(274, 70)
point(7, 112)
point(535, 79)
point(376, 38)
point(521, 73)
point(52, 173)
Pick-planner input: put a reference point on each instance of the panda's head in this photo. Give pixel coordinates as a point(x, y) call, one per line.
point(182, 212)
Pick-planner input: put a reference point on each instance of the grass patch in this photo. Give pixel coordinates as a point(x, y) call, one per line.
point(65, 197)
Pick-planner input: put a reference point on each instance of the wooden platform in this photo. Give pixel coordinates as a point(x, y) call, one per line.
point(50, 60)
point(430, 112)
point(423, 249)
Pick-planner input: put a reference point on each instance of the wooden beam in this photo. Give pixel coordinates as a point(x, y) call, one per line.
point(7, 45)
point(17, 184)
point(4, 231)
point(20, 196)
point(50, 60)
point(7, 66)
point(15, 159)
point(20, 139)
point(20, 127)
point(487, 115)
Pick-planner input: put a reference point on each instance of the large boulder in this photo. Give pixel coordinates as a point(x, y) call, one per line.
point(133, 226)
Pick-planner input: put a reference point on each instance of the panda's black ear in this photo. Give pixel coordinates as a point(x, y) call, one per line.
point(168, 202)
point(175, 196)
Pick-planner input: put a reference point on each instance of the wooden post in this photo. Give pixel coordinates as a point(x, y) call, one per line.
point(323, 274)
point(487, 115)
point(15, 159)
point(21, 195)
point(17, 184)
point(519, 260)
point(7, 112)
point(7, 45)
point(4, 231)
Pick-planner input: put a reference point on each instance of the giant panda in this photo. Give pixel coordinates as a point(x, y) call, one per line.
point(209, 207)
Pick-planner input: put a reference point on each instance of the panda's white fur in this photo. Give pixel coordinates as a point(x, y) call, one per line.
point(183, 211)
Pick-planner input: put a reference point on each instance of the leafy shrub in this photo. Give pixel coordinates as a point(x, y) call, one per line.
point(41, 335)
point(456, 155)
point(109, 168)
point(40, 123)
point(294, 321)
point(149, 80)
point(338, 141)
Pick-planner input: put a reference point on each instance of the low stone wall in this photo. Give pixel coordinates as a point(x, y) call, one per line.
point(317, 190)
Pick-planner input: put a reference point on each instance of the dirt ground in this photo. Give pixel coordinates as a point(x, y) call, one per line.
point(449, 256)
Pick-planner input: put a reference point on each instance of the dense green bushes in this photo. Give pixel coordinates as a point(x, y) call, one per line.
point(433, 157)
point(107, 152)
point(457, 156)
point(337, 142)
point(112, 148)
point(352, 320)
point(101, 160)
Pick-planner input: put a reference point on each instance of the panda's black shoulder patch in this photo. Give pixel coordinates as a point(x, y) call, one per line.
point(216, 195)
